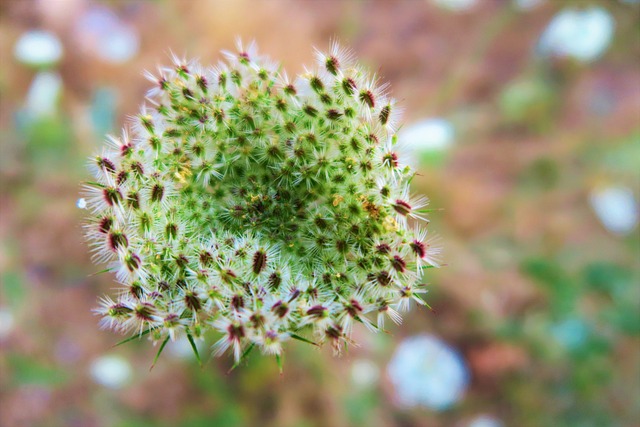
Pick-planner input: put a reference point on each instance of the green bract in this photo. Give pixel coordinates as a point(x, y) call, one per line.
point(260, 207)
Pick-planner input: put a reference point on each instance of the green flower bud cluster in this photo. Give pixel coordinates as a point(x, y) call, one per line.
point(259, 207)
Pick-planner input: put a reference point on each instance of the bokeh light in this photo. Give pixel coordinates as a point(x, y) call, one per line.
point(38, 48)
point(426, 371)
point(580, 34)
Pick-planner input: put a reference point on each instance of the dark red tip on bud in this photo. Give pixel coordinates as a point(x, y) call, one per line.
point(419, 248)
point(112, 195)
point(126, 149)
point(316, 84)
point(192, 301)
point(383, 306)
point(366, 97)
point(105, 223)
point(105, 164)
point(332, 65)
point(133, 200)
point(119, 310)
point(274, 281)
point(353, 308)
point(132, 261)
point(383, 278)
point(171, 320)
point(259, 261)
point(157, 192)
point(145, 311)
point(280, 309)
point(333, 114)
point(294, 294)
point(122, 177)
point(182, 261)
point(236, 332)
point(334, 332)
point(317, 311)
point(206, 259)
point(290, 90)
point(390, 160)
point(310, 111)
point(171, 231)
point(384, 114)
point(237, 302)
point(257, 320)
point(228, 276)
point(137, 169)
point(117, 239)
point(201, 81)
point(136, 290)
point(398, 263)
point(325, 98)
point(349, 86)
point(383, 248)
point(373, 139)
point(402, 207)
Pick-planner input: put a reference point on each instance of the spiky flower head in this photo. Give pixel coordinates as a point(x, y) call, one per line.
point(263, 208)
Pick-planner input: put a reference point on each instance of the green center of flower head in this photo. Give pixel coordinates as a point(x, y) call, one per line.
point(259, 207)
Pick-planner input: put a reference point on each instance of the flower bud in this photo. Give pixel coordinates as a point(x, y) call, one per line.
point(262, 209)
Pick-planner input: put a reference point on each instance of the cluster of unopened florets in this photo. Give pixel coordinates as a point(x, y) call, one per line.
point(259, 207)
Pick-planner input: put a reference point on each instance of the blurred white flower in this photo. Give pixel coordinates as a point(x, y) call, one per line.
point(581, 34)
point(111, 371)
point(426, 371)
point(6, 322)
point(434, 134)
point(485, 421)
point(43, 95)
point(364, 373)
point(102, 33)
point(81, 203)
point(38, 48)
point(616, 208)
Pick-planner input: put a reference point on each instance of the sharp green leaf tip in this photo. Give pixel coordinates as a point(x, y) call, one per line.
point(280, 364)
point(303, 339)
point(135, 337)
point(106, 270)
point(155, 359)
point(194, 348)
point(242, 358)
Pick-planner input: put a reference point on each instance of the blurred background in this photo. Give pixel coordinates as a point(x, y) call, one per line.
point(523, 119)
